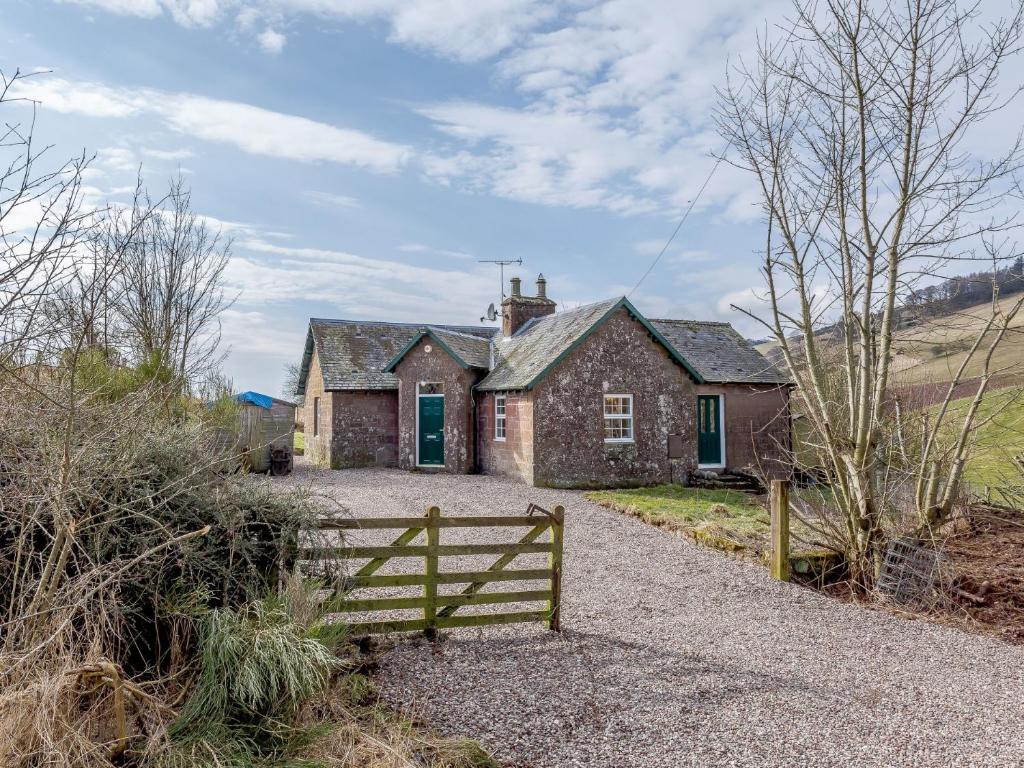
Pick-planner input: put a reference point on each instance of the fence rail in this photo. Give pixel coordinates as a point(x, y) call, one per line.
point(439, 609)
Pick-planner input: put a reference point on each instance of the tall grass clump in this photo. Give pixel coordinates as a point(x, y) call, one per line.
point(257, 669)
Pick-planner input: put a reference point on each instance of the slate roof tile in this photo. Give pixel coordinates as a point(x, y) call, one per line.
point(718, 353)
point(474, 350)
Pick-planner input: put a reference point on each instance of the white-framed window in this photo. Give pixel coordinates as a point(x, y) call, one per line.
point(499, 417)
point(618, 418)
point(316, 416)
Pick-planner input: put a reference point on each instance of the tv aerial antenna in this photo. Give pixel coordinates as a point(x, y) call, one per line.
point(492, 312)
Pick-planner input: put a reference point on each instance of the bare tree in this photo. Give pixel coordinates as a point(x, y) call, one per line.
point(290, 385)
point(856, 123)
point(42, 223)
point(171, 289)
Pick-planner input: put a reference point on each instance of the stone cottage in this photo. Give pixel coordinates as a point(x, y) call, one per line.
point(593, 396)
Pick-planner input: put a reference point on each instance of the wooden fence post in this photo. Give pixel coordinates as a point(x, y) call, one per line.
point(780, 529)
point(555, 604)
point(430, 583)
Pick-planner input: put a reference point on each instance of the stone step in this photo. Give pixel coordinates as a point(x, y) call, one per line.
point(725, 481)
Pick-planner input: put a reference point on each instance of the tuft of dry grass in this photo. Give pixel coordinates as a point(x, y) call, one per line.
point(366, 733)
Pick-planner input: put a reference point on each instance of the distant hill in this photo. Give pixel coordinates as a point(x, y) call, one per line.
point(937, 328)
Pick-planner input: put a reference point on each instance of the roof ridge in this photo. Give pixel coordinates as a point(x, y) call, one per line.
point(534, 321)
point(343, 321)
point(687, 320)
point(453, 332)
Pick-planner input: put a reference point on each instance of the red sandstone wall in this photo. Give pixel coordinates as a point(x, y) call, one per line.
point(364, 428)
point(318, 449)
point(512, 457)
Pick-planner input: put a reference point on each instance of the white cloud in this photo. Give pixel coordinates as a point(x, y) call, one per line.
point(274, 134)
point(257, 332)
point(168, 154)
point(360, 287)
point(116, 159)
point(331, 200)
point(143, 8)
point(82, 98)
point(541, 156)
point(462, 29)
point(444, 252)
point(184, 12)
point(188, 13)
point(271, 41)
point(250, 128)
point(617, 95)
point(618, 112)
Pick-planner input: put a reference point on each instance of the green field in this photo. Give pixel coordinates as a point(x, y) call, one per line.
point(1000, 438)
point(299, 444)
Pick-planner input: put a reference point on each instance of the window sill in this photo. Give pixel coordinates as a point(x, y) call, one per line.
point(499, 439)
point(619, 441)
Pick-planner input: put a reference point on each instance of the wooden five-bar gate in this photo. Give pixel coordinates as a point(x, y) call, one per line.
point(439, 610)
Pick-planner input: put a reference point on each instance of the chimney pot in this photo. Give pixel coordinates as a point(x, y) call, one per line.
point(518, 310)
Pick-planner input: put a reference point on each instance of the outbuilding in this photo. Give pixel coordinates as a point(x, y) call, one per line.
point(266, 432)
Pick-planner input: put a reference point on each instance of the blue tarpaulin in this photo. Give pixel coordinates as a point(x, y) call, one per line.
point(255, 398)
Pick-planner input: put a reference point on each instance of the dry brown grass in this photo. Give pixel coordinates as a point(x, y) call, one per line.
point(368, 734)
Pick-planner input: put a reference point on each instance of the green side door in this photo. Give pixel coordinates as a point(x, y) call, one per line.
point(709, 438)
point(431, 437)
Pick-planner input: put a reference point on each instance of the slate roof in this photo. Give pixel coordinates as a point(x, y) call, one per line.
point(353, 353)
point(469, 351)
point(472, 349)
point(719, 353)
point(359, 355)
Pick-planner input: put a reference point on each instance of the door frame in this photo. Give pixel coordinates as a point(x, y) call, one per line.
point(417, 436)
point(721, 431)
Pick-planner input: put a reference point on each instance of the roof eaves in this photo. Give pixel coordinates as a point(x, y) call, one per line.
point(307, 360)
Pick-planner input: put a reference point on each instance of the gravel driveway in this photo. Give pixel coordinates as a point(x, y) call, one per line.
point(675, 655)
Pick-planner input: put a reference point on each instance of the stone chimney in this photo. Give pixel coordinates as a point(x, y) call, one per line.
point(517, 309)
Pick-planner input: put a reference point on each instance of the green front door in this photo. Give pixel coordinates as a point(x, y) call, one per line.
point(709, 437)
point(431, 428)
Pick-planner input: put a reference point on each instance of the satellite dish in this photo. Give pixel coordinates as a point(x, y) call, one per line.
point(492, 313)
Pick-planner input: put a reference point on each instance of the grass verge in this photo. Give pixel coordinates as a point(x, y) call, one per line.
point(731, 521)
point(728, 520)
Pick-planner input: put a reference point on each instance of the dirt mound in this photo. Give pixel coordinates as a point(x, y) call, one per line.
point(987, 556)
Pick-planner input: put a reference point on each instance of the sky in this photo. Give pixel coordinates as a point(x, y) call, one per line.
point(364, 156)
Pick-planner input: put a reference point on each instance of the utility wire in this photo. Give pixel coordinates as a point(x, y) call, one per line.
point(679, 225)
